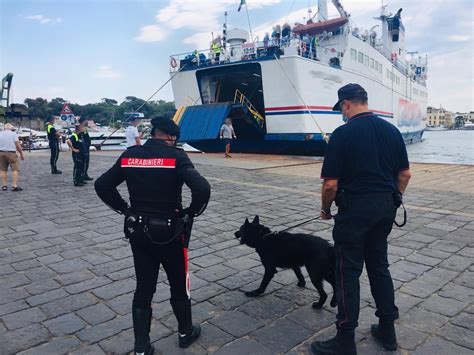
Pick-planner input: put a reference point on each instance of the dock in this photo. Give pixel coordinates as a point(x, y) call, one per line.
point(67, 276)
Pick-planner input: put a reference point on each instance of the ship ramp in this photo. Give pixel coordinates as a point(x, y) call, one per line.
point(203, 122)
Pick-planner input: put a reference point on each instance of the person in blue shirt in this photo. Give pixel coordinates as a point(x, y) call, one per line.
point(365, 171)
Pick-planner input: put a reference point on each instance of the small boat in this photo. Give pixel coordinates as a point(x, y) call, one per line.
point(315, 28)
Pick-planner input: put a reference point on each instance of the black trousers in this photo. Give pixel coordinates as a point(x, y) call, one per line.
point(54, 155)
point(78, 169)
point(86, 165)
point(147, 259)
point(360, 235)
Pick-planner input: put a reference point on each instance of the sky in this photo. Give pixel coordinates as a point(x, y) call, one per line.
point(84, 50)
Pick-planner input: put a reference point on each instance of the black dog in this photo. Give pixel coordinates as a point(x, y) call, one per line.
point(287, 250)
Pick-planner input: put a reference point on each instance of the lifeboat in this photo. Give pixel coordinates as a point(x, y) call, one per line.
point(315, 28)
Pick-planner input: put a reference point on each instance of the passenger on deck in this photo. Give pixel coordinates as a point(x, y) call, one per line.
point(266, 39)
point(216, 48)
point(227, 133)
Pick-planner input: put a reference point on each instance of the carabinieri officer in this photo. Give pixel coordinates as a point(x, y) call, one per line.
point(365, 171)
point(53, 137)
point(155, 173)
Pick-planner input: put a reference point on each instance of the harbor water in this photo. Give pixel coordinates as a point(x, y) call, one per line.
point(446, 147)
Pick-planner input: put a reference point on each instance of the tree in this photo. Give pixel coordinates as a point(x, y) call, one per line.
point(38, 108)
point(109, 101)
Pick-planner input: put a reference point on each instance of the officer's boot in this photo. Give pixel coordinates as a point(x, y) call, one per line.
point(141, 329)
point(56, 171)
point(342, 344)
point(187, 332)
point(384, 332)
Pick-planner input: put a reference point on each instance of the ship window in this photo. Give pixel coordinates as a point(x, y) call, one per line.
point(376, 66)
point(391, 76)
point(388, 74)
point(361, 57)
point(353, 54)
point(380, 68)
point(366, 60)
point(371, 63)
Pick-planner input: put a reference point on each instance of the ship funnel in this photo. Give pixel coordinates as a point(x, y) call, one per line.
point(322, 10)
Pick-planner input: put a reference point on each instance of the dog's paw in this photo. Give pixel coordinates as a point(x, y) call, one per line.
point(254, 293)
point(333, 302)
point(317, 305)
point(301, 283)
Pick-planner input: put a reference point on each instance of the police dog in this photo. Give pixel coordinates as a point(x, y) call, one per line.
point(287, 250)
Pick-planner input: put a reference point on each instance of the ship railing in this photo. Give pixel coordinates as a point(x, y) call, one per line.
point(239, 97)
point(259, 50)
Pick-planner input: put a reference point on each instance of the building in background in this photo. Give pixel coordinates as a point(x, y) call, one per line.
point(439, 117)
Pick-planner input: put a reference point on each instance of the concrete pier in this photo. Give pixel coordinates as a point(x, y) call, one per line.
point(67, 276)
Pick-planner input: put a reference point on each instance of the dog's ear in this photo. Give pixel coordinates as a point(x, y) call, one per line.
point(246, 221)
point(256, 220)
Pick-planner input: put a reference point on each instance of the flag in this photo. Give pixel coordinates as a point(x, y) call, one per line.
point(242, 2)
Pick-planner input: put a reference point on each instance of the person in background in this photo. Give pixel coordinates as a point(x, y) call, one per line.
point(9, 145)
point(86, 139)
point(131, 132)
point(216, 48)
point(227, 133)
point(76, 144)
point(53, 137)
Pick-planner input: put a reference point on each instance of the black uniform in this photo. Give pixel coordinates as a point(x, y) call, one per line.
point(366, 156)
point(53, 145)
point(155, 173)
point(87, 145)
point(77, 158)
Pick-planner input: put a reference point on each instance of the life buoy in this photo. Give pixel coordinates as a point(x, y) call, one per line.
point(173, 62)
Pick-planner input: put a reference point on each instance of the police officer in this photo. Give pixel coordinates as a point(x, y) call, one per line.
point(155, 173)
point(53, 137)
point(86, 140)
point(76, 144)
point(365, 171)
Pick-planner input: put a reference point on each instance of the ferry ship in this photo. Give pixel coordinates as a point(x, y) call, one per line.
point(280, 91)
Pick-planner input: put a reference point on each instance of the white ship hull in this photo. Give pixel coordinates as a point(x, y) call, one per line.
point(298, 92)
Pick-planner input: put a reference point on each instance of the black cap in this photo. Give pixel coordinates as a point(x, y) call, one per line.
point(349, 91)
point(165, 125)
point(83, 119)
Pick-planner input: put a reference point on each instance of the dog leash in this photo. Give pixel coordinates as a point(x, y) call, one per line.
point(297, 225)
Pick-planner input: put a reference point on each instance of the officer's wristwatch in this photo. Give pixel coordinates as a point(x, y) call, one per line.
point(325, 212)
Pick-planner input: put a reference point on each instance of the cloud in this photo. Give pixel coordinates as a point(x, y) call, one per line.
point(460, 38)
point(106, 72)
point(43, 20)
point(201, 17)
point(151, 33)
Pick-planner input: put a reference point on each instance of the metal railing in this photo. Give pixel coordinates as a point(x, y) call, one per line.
point(239, 97)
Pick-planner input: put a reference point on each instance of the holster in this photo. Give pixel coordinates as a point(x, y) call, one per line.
point(158, 229)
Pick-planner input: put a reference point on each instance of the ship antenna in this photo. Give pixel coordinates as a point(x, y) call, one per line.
point(248, 19)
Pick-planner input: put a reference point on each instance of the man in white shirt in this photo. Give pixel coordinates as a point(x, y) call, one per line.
point(131, 133)
point(9, 145)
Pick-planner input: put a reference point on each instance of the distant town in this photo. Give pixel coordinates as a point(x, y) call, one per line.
point(440, 118)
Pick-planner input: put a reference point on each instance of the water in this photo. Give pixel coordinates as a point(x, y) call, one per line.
point(448, 147)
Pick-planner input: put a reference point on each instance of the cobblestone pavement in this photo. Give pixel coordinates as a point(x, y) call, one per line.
point(67, 276)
